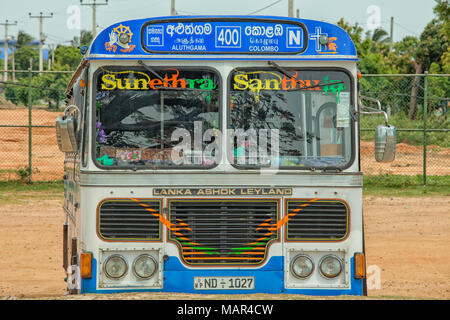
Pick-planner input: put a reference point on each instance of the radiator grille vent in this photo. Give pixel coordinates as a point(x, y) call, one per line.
point(312, 219)
point(129, 219)
point(223, 231)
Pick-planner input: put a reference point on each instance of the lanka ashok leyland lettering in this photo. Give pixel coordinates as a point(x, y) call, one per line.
point(216, 154)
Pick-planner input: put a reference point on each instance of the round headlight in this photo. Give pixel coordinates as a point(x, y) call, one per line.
point(330, 266)
point(115, 267)
point(302, 266)
point(144, 266)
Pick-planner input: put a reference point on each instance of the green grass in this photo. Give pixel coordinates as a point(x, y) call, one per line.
point(381, 185)
point(16, 191)
point(406, 186)
point(44, 186)
point(401, 121)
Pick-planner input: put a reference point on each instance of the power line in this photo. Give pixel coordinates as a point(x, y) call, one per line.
point(266, 7)
point(406, 29)
point(188, 12)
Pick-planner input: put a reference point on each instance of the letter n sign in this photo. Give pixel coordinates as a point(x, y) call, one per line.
point(294, 37)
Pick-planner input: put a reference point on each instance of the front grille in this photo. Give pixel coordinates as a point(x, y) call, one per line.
point(129, 219)
point(315, 219)
point(230, 232)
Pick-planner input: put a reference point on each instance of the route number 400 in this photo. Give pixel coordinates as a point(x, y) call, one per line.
point(228, 37)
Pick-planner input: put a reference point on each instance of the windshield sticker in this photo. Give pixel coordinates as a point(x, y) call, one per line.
point(116, 37)
point(329, 48)
point(275, 82)
point(135, 80)
point(128, 155)
point(343, 111)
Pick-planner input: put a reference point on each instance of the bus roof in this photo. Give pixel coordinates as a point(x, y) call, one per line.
point(223, 38)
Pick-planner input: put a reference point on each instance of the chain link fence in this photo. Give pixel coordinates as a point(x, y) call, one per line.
point(418, 106)
point(30, 102)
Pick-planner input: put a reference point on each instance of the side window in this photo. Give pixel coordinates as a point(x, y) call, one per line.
point(84, 120)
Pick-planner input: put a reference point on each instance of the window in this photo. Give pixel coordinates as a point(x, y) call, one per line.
point(294, 119)
point(140, 113)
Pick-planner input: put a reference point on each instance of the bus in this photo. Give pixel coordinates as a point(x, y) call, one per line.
point(216, 155)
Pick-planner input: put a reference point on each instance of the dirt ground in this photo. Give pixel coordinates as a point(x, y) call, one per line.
point(47, 160)
point(407, 240)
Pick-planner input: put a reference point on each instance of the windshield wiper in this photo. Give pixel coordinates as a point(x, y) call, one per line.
point(286, 73)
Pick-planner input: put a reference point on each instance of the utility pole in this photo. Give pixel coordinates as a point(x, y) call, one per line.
point(173, 12)
point(5, 62)
point(41, 18)
point(13, 62)
point(298, 13)
point(391, 40)
point(94, 5)
point(291, 8)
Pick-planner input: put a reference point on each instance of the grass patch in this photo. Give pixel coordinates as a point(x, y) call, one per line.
point(44, 186)
point(14, 192)
point(381, 185)
point(407, 186)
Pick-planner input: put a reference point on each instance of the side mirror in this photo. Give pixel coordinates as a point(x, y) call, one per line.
point(66, 131)
point(385, 143)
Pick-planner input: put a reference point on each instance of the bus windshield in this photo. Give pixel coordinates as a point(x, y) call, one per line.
point(138, 109)
point(309, 111)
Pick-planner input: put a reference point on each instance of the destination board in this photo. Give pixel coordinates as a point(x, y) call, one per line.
point(206, 36)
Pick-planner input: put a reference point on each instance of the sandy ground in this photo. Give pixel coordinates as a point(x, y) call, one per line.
point(47, 160)
point(407, 240)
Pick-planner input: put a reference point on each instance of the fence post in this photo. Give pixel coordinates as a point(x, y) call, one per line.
point(30, 78)
point(425, 118)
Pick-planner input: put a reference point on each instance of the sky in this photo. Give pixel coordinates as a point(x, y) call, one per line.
point(69, 17)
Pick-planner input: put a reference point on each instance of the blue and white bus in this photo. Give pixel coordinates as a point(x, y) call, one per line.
point(216, 154)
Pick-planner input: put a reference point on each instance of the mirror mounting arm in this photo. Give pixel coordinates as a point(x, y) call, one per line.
point(370, 110)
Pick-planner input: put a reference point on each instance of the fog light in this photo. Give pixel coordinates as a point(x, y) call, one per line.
point(144, 266)
point(302, 266)
point(115, 267)
point(330, 266)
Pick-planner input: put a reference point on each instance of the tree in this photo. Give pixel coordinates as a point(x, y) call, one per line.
point(23, 39)
point(431, 48)
point(68, 56)
point(442, 10)
point(84, 39)
point(22, 58)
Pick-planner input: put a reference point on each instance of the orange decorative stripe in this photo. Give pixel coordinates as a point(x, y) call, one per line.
point(282, 222)
point(163, 220)
point(191, 253)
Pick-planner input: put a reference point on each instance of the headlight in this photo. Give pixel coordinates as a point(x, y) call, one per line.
point(115, 267)
point(302, 266)
point(330, 266)
point(144, 266)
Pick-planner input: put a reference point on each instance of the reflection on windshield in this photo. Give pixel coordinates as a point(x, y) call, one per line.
point(311, 110)
point(136, 113)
